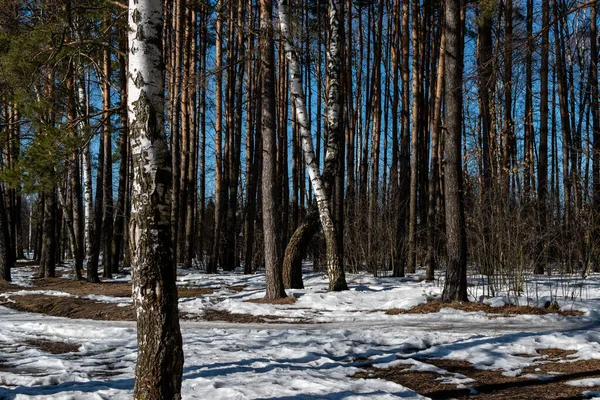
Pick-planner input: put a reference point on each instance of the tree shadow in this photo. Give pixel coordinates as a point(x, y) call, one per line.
point(47, 390)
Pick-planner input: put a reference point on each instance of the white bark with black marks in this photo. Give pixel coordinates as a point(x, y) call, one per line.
point(160, 355)
point(337, 280)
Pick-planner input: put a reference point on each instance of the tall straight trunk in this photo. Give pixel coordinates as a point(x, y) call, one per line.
point(119, 228)
point(202, 147)
point(395, 167)
point(486, 96)
point(92, 264)
point(159, 365)
point(529, 132)
point(236, 100)
point(414, 157)
point(542, 169)
point(350, 215)
point(374, 105)
point(7, 261)
point(192, 164)
point(404, 181)
point(337, 280)
point(434, 177)
point(282, 145)
point(49, 237)
point(88, 205)
point(271, 220)
point(595, 108)
point(333, 166)
point(176, 56)
point(563, 102)
point(455, 285)
point(252, 156)
point(228, 149)
point(39, 229)
point(219, 187)
point(74, 210)
point(107, 192)
point(186, 133)
point(509, 145)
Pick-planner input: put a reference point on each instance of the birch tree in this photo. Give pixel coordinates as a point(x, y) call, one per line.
point(160, 356)
point(337, 279)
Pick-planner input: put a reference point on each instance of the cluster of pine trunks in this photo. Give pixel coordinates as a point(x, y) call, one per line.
point(240, 105)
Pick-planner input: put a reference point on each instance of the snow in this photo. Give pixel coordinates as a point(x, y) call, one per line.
point(312, 351)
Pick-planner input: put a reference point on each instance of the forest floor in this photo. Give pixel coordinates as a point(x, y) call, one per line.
point(385, 338)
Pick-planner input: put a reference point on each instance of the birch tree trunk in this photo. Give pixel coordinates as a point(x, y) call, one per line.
point(160, 356)
point(337, 279)
point(87, 170)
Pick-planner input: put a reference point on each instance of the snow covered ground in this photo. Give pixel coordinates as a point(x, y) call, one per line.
point(311, 352)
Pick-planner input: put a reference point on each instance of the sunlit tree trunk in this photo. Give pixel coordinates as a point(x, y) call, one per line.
point(542, 169)
point(414, 156)
point(6, 254)
point(160, 356)
point(107, 192)
point(119, 228)
point(337, 280)
point(434, 177)
point(455, 285)
point(271, 220)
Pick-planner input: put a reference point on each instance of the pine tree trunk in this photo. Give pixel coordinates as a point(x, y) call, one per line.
point(96, 238)
point(49, 237)
point(542, 169)
point(434, 176)
point(219, 184)
point(271, 220)
point(107, 192)
point(7, 261)
point(119, 228)
point(455, 286)
point(160, 356)
point(509, 145)
point(414, 157)
point(595, 107)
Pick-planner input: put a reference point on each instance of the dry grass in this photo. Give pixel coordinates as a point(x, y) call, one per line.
point(70, 307)
point(285, 300)
point(492, 384)
point(53, 347)
point(226, 316)
point(83, 288)
point(506, 310)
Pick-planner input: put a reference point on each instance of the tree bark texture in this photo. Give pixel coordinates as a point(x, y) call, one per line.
point(160, 356)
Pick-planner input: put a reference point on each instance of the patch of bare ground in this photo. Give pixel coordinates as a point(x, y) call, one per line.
point(52, 347)
point(6, 287)
point(237, 288)
point(226, 316)
point(556, 353)
point(83, 288)
point(70, 307)
point(492, 384)
point(505, 311)
point(285, 300)
point(220, 315)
